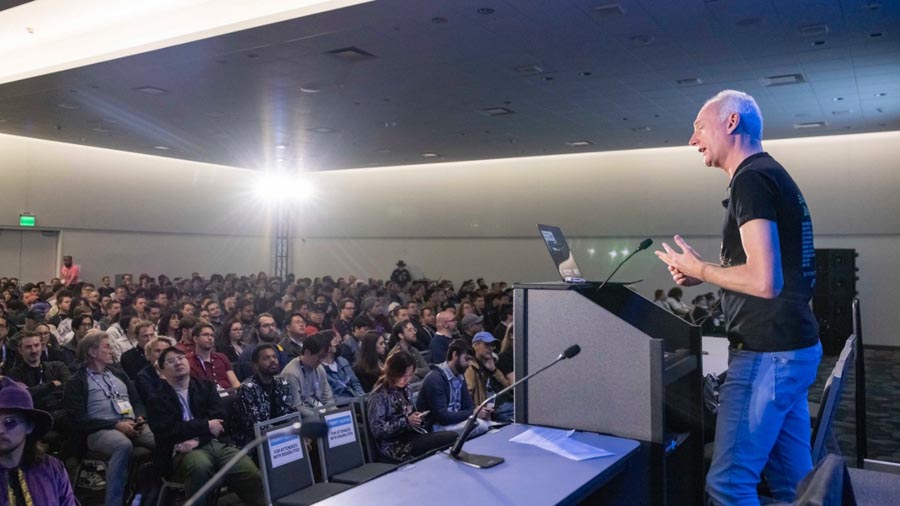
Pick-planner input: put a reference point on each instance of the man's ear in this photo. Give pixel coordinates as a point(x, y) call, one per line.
point(732, 123)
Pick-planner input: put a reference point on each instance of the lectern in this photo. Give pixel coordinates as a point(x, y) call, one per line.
point(639, 376)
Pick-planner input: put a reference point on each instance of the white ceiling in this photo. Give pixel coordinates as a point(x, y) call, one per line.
point(239, 99)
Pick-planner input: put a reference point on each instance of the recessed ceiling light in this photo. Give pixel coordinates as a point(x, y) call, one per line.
point(815, 30)
point(161, 148)
point(310, 89)
point(485, 11)
point(838, 99)
point(810, 124)
point(548, 78)
point(351, 54)
point(280, 146)
point(528, 69)
point(430, 155)
point(322, 130)
point(875, 35)
point(690, 81)
point(873, 6)
point(641, 129)
point(586, 73)
point(817, 43)
point(609, 10)
point(842, 112)
point(578, 144)
point(439, 20)
point(497, 111)
point(783, 80)
point(881, 94)
point(641, 40)
point(744, 23)
point(70, 107)
point(151, 90)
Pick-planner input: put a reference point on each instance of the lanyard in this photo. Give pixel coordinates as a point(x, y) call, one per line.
point(112, 393)
point(315, 390)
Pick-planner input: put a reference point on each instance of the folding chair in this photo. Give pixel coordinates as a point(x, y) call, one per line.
point(286, 469)
point(341, 450)
point(831, 397)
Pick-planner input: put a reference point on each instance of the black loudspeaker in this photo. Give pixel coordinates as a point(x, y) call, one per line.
point(833, 296)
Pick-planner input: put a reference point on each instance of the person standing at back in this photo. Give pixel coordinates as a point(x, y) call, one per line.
point(767, 272)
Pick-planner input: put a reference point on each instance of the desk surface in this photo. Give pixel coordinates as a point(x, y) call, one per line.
point(530, 475)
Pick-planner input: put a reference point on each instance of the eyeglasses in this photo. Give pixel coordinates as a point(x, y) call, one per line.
point(174, 360)
point(237, 329)
point(11, 422)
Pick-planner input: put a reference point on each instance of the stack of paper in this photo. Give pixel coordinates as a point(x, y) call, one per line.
point(559, 442)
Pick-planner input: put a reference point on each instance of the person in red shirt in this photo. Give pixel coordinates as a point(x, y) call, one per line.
point(208, 364)
point(69, 271)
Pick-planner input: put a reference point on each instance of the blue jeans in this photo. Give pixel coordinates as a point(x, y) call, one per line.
point(763, 425)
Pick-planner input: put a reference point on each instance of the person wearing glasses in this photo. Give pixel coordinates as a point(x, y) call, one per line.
point(106, 411)
point(28, 475)
point(209, 364)
point(229, 341)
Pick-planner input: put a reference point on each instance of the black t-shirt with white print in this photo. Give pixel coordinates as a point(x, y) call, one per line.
point(762, 189)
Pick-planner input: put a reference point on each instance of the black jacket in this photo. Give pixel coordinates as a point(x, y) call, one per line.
point(167, 421)
point(46, 395)
point(75, 403)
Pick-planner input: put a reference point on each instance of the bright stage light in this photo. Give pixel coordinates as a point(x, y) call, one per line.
point(280, 187)
point(624, 252)
point(613, 254)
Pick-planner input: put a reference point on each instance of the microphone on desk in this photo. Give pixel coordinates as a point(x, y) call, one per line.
point(486, 461)
point(641, 247)
point(308, 429)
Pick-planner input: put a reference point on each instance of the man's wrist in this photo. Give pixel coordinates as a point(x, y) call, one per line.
point(702, 275)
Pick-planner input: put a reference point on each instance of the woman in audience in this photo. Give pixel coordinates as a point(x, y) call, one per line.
point(168, 324)
point(229, 340)
point(505, 357)
point(370, 360)
point(395, 424)
point(465, 308)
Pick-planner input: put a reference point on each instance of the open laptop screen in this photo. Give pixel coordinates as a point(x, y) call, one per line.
point(560, 252)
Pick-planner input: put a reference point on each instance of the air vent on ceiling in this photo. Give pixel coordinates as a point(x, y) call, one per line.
point(690, 81)
point(816, 30)
point(527, 70)
point(641, 129)
point(577, 144)
point(497, 111)
point(842, 112)
point(810, 124)
point(783, 80)
point(609, 10)
point(151, 90)
point(321, 130)
point(351, 54)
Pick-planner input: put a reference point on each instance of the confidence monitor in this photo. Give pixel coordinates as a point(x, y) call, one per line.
point(561, 253)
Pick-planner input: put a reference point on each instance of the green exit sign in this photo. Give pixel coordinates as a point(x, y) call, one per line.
point(26, 220)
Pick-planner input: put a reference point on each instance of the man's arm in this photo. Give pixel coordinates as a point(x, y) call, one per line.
point(761, 276)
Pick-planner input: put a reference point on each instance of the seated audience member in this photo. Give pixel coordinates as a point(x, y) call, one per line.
point(187, 416)
point(374, 309)
point(63, 306)
point(674, 301)
point(470, 325)
point(110, 322)
point(362, 325)
point(343, 325)
point(229, 341)
point(134, 360)
point(46, 381)
point(128, 339)
point(397, 313)
point(370, 360)
point(8, 357)
point(81, 326)
point(343, 381)
point(168, 324)
point(398, 429)
point(306, 376)
point(424, 327)
point(263, 396)
point(292, 344)
point(185, 333)
point(484, 378)
point(31, 477)
point(445, 396)
point(51, 351)
point(106, 409)
point(208, 364)
point(149, 379)
point(316, 320)
point(505, 315)
point(215, 313)
point(266, 332)
point(440, 342)
point(405, 335)
point(505, 357)
point(66, 329)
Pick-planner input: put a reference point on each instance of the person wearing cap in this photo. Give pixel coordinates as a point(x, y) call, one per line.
point(398, 313)
point(374, 309)
point(401, 274)
point(484, 379)
point(470, 325)
point(28, 475)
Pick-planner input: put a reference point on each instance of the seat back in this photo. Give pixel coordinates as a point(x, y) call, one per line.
point(340, 450)
point(831, 398)
point(283, 459)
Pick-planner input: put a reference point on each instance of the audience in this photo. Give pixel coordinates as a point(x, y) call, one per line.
point(207, 364)
point(263, 396)
point(398, 429)
point(505, 358)
point(445, 396)
point(106, 411)
point(7, 354)
point(149, 379)
point(265, 332)
point(440, 343)
point(469, 325)
point(484, 378)
point(370, 360)
point(361, 326)
point(306, 376)
point(343, 325)
point(404, 335)
point(133, 360)
point(295, 334)
point(187, 416)
point(46, 381)
point(229, 341)
point(343, 381)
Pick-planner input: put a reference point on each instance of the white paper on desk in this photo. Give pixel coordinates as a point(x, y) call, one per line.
point(560, 442)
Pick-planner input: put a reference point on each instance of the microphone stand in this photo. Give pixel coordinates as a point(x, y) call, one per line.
point(231, 463)
point(641, 247)
point(486, 461)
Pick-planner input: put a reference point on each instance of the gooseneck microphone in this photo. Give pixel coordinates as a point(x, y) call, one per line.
point(486, 461)
point(641, 247)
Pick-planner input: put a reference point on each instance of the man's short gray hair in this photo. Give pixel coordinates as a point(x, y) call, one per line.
point(733, 101)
